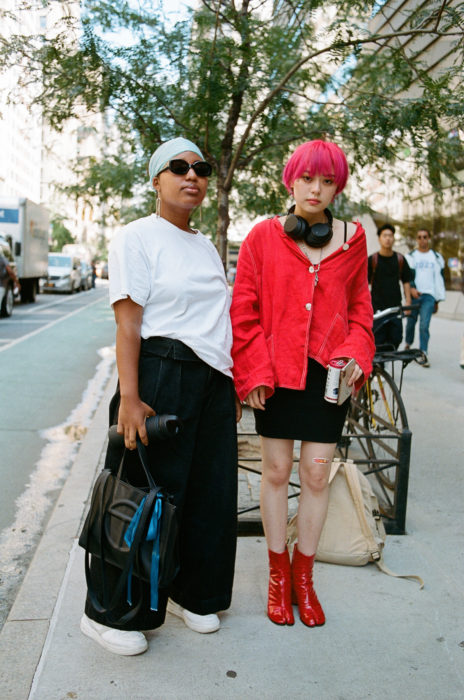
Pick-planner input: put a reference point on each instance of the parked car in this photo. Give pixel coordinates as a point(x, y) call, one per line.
point(86, 276)
point(64, 273)
point(6, 288)
point(102, 270)
point(9, 285)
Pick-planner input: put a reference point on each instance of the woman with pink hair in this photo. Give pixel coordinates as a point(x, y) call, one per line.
point(301, 300)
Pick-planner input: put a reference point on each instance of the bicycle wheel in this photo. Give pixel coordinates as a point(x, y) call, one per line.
point(384, 417)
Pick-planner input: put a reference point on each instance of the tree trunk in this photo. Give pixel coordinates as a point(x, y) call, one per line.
point(223, 221)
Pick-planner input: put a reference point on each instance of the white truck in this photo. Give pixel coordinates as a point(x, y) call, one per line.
point(25, 225)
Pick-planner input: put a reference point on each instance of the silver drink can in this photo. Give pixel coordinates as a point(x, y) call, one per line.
point(333, 380)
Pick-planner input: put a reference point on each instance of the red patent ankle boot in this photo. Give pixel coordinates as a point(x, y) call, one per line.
point(311, 612)
point(279, 604)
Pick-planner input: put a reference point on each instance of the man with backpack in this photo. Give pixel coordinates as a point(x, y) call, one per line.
point(386, 269)
point(427, 290)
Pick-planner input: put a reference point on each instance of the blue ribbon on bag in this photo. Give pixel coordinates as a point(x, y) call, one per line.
point(153, 534)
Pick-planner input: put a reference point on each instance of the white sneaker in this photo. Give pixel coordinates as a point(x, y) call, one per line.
point(121, 642)
point(198, 623)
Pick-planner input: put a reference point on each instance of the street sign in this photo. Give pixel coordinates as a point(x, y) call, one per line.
point(9, 216)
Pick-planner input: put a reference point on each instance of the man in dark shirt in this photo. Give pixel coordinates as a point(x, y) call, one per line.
point(385, 271)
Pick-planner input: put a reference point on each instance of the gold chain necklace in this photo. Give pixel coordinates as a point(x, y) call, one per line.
point(317, 267)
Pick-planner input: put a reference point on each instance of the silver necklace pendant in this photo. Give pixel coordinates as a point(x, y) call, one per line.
point(312, 267)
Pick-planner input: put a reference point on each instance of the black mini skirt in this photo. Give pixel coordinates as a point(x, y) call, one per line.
point(293, 414)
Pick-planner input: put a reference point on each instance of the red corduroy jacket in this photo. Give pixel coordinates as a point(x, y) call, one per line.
point(279, 317)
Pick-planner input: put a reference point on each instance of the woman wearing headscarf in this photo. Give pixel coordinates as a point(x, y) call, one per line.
point(300, 301)
point(173, 349)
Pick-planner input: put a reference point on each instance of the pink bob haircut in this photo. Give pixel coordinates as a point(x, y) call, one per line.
point(317, 158)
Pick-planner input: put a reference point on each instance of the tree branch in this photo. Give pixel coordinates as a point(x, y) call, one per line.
point(237, 99)
point(213, 46)
point(261, 149)
point(297, 18)
point(213, 11)
point(440, 12)
point(129, 79)
point(305, 59)
point(306, 97)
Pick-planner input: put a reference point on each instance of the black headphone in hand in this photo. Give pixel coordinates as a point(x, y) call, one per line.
point(315, 236)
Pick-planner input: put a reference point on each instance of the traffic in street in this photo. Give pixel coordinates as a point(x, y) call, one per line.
point(31, 318)
point(56, 356)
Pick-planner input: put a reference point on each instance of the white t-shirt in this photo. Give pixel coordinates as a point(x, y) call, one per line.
point(178, 278)
point(428, 266)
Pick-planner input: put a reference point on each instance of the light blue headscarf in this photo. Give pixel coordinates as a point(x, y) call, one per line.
point(167, 151)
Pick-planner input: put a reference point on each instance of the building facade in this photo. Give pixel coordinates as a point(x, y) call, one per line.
point(38, 162)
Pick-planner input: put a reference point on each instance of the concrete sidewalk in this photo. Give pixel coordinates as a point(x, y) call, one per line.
point(453, 306)
point(384, 638)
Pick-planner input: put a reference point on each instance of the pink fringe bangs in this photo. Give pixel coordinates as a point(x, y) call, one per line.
point(317, 158)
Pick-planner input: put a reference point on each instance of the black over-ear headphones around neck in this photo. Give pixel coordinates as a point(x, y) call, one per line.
point(315, 236)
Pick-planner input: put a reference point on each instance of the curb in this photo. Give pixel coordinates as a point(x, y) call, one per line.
point(25, 631)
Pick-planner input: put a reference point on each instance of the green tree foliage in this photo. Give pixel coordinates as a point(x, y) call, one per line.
point(60, 235)
point(247, 80)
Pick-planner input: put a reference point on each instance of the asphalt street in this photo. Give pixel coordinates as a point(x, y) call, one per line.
point(54, 358)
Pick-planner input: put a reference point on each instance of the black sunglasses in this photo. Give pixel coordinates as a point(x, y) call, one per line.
point(178, 166)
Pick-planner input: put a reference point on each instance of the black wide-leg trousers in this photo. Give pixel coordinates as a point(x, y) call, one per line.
point(199, 468)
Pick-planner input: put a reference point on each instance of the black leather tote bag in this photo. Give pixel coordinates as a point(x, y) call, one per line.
point(134, 529)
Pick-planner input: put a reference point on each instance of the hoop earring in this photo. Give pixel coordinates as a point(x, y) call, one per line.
point(158, 205)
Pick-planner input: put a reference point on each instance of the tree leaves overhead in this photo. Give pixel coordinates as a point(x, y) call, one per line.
point(247, 80)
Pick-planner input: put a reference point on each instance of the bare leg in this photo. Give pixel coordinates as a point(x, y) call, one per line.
point(315, 460)
point(277, 464)
point(314, 496)
point(277, 459)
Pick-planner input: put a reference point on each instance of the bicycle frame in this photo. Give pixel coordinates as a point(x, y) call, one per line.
point(384, 398)
point(387, 353)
